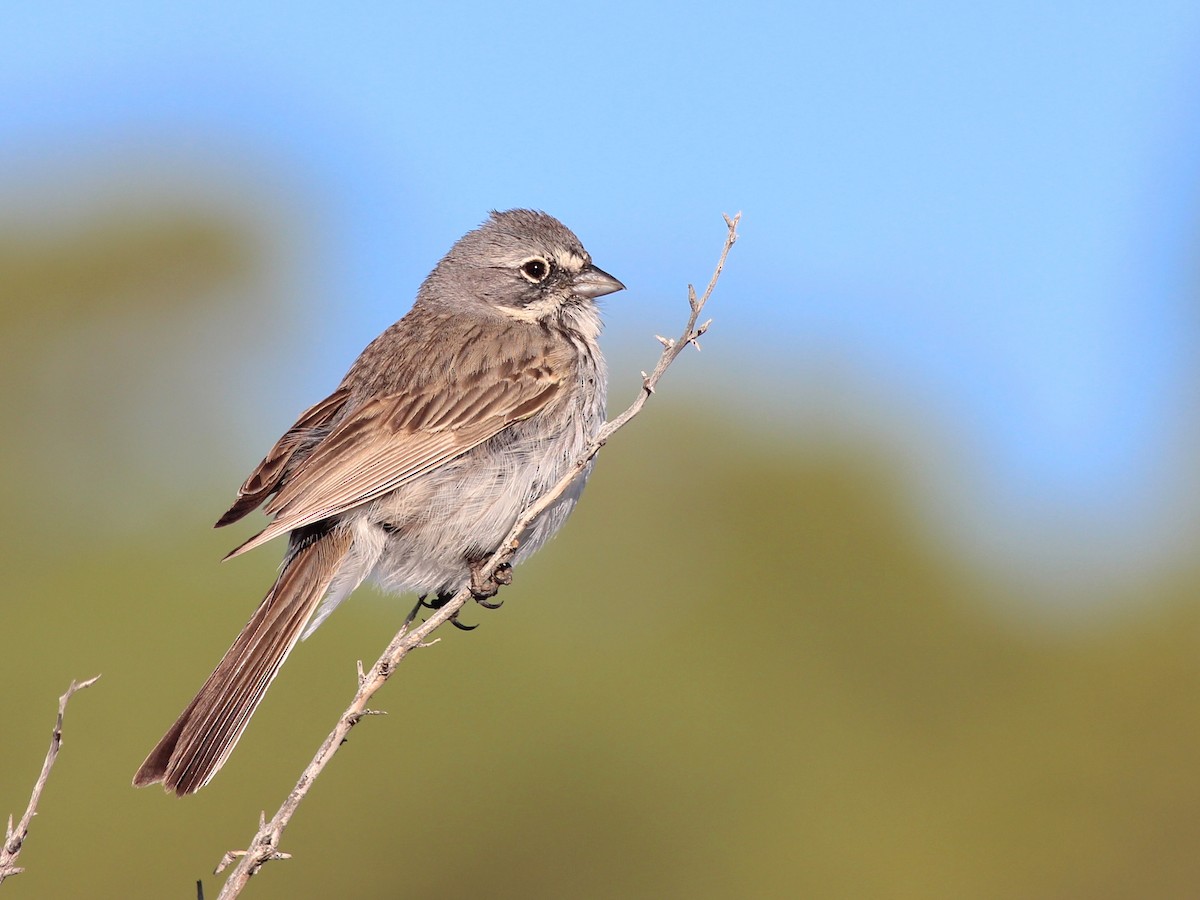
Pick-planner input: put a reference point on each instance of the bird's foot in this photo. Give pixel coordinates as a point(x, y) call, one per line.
point(437, 603)
point(483, 589)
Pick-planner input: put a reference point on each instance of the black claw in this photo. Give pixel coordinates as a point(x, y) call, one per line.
point(441, 599)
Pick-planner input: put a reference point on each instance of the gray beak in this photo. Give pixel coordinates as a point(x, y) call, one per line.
point(592, 283)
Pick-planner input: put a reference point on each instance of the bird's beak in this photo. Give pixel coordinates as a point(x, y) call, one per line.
point(592, 283)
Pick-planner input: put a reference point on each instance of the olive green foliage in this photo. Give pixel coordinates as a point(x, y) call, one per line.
point(746, 669)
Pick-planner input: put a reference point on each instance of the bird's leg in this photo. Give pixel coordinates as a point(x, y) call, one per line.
point(421, 604)
point(482, 589)
point(437, 603)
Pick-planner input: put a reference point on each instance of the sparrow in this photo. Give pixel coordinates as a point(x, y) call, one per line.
point(413, 471)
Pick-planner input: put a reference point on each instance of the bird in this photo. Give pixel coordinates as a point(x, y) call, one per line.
point(413, 471)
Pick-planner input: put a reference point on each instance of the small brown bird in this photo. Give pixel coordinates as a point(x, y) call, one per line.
point(413, 471)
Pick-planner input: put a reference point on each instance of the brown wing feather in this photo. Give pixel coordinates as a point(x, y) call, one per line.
point(270, 472)
point(393, 439)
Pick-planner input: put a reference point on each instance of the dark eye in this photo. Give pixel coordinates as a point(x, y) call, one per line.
point(535, 269)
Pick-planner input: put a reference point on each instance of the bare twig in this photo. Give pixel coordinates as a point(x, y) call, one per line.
point(14, 838)
point(264, 845)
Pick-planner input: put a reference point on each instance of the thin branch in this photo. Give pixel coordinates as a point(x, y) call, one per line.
point(14, 838)
point(264, 846)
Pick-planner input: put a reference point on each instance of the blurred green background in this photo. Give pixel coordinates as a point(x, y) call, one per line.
point(749, 667)
point(892, 590)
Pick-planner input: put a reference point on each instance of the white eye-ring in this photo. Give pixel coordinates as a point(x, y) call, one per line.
point(535, 269)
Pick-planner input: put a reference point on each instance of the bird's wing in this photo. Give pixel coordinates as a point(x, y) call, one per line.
point(395, 438)
point(270, 472)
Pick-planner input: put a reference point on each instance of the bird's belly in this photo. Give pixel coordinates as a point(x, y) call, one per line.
point(437, 524)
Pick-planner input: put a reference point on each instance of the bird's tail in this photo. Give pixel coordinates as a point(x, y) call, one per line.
point(204, 735)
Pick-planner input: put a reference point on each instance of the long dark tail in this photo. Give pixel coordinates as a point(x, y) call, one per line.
point(204, 735)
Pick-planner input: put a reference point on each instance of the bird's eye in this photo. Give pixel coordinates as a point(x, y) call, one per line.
point(535, 269)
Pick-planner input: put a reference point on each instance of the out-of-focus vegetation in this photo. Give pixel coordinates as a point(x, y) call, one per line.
point(746, 669)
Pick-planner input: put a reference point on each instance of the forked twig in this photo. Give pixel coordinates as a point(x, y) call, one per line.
point(14, 837)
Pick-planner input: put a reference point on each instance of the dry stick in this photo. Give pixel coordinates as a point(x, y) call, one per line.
point(264, 846)
point(14, 838)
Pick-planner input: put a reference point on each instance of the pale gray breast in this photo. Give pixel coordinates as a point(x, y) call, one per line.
point(579, 423)
point(467, 506)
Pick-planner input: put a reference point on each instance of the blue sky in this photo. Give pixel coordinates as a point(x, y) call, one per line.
point(986, 212)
